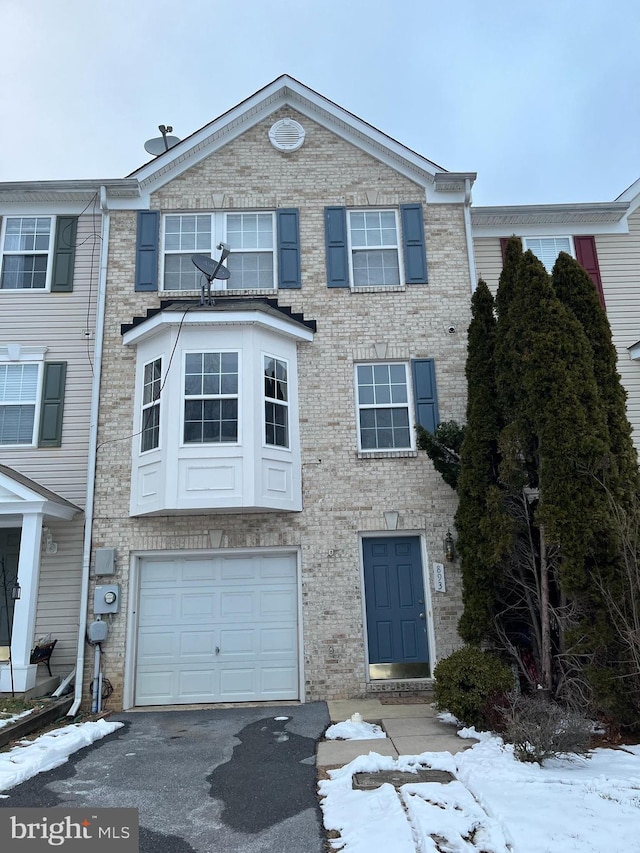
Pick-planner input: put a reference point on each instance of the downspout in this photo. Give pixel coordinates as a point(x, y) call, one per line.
point(469, 235)
point(93, 445)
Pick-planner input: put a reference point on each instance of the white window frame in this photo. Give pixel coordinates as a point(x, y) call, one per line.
point(14, 354)
point(285, 404)
point(554, 237)
point(48, 253)
point(218, 231)
point(153, 403)
point(237, 396)
point(408, 405)
point(386, 247)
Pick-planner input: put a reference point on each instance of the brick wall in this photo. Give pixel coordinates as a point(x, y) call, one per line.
point(343, 495)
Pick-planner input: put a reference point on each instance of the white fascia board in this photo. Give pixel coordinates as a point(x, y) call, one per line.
point(556, 219)
point(65, 196)
point(285, 91)
point(165, 319)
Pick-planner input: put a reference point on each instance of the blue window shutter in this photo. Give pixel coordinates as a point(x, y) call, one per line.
point(288, 248)
point(415, 258)
point(425, 393)
point(147, 250)
point(64, 254)
point(335, 232)
point(55, 373)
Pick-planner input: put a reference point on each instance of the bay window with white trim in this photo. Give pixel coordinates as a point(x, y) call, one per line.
point(210, 397)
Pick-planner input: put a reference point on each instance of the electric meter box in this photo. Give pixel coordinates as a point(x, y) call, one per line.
point(106, 598)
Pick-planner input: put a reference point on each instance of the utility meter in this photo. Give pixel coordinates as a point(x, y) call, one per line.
point(106, 598)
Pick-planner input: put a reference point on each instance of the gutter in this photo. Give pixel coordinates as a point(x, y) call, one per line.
point(93, 449)
point(469, 233)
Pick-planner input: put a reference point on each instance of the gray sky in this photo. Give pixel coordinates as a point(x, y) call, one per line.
point(540, 98)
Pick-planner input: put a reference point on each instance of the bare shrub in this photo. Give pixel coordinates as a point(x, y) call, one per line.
point(539, 728)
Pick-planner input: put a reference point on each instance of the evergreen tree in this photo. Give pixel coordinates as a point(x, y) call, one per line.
point(478, 471)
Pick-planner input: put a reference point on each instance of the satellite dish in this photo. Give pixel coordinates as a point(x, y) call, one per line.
point(211, 269)
point(163, 143)
point(160, 144)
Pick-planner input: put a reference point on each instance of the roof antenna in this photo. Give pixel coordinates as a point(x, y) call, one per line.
point(159, 144)
point(211, 269)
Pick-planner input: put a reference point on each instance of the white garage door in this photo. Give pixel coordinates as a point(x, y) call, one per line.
point(217, 629)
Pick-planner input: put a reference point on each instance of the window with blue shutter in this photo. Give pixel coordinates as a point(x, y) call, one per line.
point(415, 257)
point(64, 254)
point(425, 393)
point(51, 411)
point(147, 250)
point(335, 230)
point(288, 248)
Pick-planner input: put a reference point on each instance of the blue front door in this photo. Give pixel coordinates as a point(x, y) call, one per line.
point(395, 607)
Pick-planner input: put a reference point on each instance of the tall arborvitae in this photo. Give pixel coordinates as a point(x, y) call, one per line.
point(575, 289)
point(478, 472)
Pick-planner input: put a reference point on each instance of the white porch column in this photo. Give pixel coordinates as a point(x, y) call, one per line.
point(24, 614)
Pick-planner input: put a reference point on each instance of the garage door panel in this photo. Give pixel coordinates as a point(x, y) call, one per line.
point(197, 605)
point(277, 682)
point(277, 603)
point(198, 570)
point(197, 644)
point(246, 607)
point(237, 604)
point(279, 641)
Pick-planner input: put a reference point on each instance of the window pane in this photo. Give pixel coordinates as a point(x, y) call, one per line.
point(180, 273)
point(384, 418)
point(18, 383)
point(251, 270)
point(373, 268)
point(547, 249)
point(16, 424)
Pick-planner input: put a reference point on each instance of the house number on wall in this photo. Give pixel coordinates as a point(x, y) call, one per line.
point(438, 577)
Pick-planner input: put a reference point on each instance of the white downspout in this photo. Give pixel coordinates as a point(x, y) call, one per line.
point(468, 232)
point(93, 444)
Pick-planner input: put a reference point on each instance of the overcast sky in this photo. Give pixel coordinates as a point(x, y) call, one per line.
point(539, 97)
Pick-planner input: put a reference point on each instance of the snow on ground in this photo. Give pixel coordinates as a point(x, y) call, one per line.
point(353, 731)
point(49, 750)
point(497, 804)
point(14, 717)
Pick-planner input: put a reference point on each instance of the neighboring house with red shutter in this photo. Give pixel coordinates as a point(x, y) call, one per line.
point(51, 260)
point(274, 525)
point(604, 237)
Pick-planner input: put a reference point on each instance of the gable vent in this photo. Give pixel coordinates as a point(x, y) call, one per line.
point(287, 135)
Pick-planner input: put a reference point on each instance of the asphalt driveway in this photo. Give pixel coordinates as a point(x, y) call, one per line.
point(233, 780)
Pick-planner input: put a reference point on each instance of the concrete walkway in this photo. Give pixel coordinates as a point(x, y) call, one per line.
point(411, 729)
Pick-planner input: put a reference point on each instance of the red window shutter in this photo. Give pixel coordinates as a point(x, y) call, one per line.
point(587, 257)
point(503, 246)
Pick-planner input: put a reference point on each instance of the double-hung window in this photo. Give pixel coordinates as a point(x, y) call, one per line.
point(210, 397)
point(152, 383)
point(18, 401)
point(251, 240)
point(384, 421)
point(26, 250)
point(547, 249)
point(276, 402)
point(373, 240)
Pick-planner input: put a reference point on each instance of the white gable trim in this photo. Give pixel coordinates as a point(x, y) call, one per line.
point(18, 498)
point(287, 92)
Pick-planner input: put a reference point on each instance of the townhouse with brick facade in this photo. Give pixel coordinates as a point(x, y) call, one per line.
point(271, 530)
point(604, 237)
point(51, 259)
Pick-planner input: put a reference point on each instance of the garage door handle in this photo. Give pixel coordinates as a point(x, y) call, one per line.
point(217, 650)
